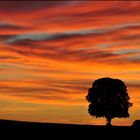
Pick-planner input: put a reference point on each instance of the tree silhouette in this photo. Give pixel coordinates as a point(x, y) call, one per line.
point(108, 98)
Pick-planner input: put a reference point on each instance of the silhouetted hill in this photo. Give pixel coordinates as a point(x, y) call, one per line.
point(63, 130)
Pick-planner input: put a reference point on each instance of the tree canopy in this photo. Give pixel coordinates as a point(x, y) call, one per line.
point(108, 98)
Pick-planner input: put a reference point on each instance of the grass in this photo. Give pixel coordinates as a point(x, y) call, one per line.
point(66, 131)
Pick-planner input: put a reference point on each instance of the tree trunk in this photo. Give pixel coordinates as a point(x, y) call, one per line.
point(108, 121)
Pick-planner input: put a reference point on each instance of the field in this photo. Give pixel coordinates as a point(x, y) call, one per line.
point(66, 131)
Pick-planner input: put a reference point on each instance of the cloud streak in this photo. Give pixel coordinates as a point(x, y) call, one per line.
point(8, 26)
point(60, 44)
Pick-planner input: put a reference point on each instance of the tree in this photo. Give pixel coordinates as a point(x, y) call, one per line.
point(108, 98)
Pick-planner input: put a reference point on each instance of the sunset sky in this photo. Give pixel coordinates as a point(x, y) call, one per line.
point(52, 51)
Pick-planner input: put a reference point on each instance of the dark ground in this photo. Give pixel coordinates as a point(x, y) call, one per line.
point(67, 131)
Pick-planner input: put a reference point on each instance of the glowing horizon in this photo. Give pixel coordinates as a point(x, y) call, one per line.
point(51, 52)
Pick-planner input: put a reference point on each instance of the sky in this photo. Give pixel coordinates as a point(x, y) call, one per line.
point(52, 51)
